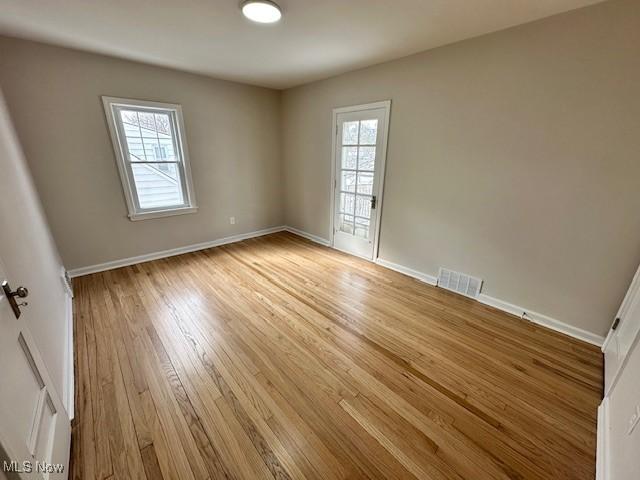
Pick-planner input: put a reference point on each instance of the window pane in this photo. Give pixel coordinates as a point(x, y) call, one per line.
point(350, 133)
point(129, 117)
point(166, 146)
point(363, 206)
point(149, 136)
point(136, 149)
point(348, 182)
point(163, 124)
point(158, 185)
point(151, 148)
point(345, 223)
point(147, 124)
point(366, 158)
point(347, 203)
point(362, 228)
point(349, 157)
point(132, 134)
point(365, 183)
point(368, 132)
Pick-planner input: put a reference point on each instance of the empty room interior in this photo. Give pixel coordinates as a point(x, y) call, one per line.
point(320, 239)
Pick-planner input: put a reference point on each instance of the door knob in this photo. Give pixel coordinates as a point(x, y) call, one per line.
point(21, 292)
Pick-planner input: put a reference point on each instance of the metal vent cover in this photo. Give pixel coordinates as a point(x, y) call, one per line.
point(459, 282)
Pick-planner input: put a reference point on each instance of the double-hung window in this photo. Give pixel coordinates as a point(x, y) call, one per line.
point(151, 153)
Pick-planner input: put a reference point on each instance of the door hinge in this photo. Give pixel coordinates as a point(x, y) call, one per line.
point(616, 322)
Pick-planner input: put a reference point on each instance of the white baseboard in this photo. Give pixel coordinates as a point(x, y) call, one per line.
point(423, 277)
point(602, 445)
point(309, 236)
point(542, 319)
point(78, 272)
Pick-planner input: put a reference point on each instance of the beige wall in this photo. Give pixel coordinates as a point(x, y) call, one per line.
point(513, 157)
point(233, 134)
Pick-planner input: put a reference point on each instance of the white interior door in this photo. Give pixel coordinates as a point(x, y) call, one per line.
point(623, 334)
point(34, 345)
point(360, 154)
point(34, 427)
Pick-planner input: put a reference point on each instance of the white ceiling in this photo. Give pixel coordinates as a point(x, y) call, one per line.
point(315, 39)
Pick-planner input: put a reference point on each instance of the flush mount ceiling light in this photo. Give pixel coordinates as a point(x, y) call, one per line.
point(261, 11)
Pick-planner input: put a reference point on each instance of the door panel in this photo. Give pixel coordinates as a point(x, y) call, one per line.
point(360, 153)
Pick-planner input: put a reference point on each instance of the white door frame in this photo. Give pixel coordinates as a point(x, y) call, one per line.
point(386, 105)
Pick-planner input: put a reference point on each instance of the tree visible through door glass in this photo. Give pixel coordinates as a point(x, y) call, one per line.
point(368, 132)
point(366, 158)
point(350, 133)
point(350, 157)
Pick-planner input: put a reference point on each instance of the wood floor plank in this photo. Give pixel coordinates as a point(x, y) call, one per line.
point(84, 449)
point(151, 464)
point(277, 358)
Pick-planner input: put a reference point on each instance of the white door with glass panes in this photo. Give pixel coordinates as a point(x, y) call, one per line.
point(361, 139)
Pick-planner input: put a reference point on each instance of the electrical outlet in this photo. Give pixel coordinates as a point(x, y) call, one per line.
point(232, 220)
point(633, 421)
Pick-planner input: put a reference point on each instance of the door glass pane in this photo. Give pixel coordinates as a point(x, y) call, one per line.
point(350, 133)
point(368, 132)
point(363, 206)
point(362, 228)
point(347, 203)
point(348, 183)
point(346, 223)
point(365, 183)
point(350, 157)
point(356, 176)
point(366, 158)
point(158, 185)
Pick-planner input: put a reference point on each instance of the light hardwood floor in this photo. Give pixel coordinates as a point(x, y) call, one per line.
point(278, 358)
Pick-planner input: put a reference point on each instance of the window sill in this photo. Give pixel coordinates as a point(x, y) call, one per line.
point(134, 217)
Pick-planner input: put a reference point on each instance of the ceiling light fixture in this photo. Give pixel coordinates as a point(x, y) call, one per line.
point(261, 11)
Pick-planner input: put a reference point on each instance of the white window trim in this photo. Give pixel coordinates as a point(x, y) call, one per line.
point(128, 187)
